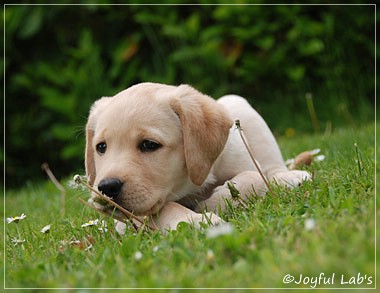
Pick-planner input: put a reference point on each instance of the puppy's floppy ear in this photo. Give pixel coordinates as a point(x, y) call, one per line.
point(205, 125)
point(90, 131)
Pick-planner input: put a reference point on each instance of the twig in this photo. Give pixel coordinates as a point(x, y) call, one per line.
point(358, 159)
point(45, 167)
point(238, 126)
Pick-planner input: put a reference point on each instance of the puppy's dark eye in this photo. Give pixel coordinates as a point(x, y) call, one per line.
point(101, 148)
point(149, 146)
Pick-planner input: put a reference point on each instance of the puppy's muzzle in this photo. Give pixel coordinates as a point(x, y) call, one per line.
point(111, 187)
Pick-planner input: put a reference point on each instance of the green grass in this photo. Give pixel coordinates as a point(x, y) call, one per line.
point(269, 239)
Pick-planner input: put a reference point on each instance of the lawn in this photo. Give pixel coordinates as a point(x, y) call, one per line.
point(321, 234)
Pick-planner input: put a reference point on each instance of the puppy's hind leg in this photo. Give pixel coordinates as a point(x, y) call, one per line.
point(262, 142)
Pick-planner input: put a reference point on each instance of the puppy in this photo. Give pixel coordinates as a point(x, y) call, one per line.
point(167, 152)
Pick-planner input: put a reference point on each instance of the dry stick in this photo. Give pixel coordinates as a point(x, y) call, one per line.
point(45, 167)
point(125, 212)
point(238, 126)
point(358, 158)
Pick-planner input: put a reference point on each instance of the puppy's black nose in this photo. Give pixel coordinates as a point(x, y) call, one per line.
point(110, 187)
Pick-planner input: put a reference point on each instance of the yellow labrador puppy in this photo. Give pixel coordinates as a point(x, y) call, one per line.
point(168, 151)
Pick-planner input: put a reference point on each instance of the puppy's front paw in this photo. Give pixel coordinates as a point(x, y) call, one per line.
point(291, 178)
point(207, 218)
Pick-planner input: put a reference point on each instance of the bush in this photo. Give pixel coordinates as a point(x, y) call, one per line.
point(59, 59)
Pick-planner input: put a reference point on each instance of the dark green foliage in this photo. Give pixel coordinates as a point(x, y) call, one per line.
point(59, 59)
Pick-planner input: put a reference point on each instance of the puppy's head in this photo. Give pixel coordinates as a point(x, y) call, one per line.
point(148, 142)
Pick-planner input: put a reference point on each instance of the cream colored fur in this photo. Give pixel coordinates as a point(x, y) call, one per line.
point(200, 150)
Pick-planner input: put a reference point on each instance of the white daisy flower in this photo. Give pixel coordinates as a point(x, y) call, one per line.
point(77, 182)
point(309, 224)
point(138, 255)
point(16, 241)
point(220, 229)
point(46, 229)
point(319, 158)
point(210, 255)
point(90, 223)
point(156, 248)
point(16, 219)
point(103, 227)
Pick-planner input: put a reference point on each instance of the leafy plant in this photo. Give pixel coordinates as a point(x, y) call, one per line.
point(60, 59)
